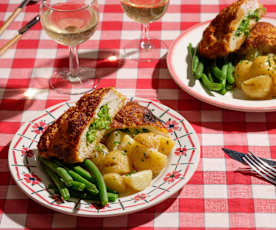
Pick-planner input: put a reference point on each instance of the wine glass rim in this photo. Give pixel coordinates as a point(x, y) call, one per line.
point(44, 3)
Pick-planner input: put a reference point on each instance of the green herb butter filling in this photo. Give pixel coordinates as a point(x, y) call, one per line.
point(102, 121)
point(244, 26)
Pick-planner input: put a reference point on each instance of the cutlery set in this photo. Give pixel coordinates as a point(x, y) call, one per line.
point(22, 30)
point(261, 166)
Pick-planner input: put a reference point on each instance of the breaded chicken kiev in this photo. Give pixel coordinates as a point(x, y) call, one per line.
point(227, 32)
point(134, 116)
point(262, 39)
point(76, 134)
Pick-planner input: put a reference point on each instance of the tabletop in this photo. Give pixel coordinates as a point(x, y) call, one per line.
point(216, 197)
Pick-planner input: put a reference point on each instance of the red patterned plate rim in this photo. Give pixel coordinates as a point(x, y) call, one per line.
point(179, 49)
point(181, 166)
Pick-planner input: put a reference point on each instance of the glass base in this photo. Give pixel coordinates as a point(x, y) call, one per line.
point(64, 83)
point(135, 50)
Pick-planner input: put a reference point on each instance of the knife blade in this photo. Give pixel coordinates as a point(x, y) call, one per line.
point(238, 156)
point(21, 31)
point(29, 25)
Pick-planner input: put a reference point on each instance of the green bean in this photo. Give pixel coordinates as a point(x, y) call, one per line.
point(223, 91)
point(223, 80)
point(210, 85)
point(85, 174)
point(64, 192)
point(210, 77)
point(199, 70)
point(230, 78)
point(78, 186)
point(82, 172)
point(89, 186)
point(58, 170)
point(112, 197)
point(100, 181)
point(224, 71)
point(191, 50)
point(195, 63)
point(228, 87)
point(217, 73)
point(109, 190)
point(224, 74)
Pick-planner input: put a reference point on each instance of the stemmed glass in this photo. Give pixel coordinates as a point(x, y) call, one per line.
point(144, 11)
point(70, 23)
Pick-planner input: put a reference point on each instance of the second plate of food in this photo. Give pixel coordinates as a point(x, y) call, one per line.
point(179, 65)
point(181, 164)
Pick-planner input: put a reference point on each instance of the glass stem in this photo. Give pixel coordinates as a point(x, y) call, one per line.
point(73, 63)
point(145, 41)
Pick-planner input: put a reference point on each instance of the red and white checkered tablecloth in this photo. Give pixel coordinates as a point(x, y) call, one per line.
point(215, 198)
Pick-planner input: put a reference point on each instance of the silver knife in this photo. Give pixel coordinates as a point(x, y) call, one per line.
point(21, 31)
point(238, 156)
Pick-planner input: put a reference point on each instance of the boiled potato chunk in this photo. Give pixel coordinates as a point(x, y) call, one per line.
point(139, 180)
point(113, 140)
point(115, 181)
point(262, 65)
point(116, 161)
point(99, 155)
point(151, 140)
point(259, 87)
point(143, 158)
point(274, 83)
point(242, 72)
point(127, 144)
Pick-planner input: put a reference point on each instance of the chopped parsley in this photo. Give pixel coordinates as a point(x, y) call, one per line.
point(116, 142)
point(133, 132)
point(128, 174)
point(102, 121)
point(244, 26)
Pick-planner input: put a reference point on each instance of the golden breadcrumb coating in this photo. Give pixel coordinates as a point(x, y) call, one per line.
point(62, 138)
point(134, 116)
point(219, 37)
point(262, 38)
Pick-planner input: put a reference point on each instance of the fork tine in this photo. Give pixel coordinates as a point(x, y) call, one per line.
point(250, 161)
point(267, 166)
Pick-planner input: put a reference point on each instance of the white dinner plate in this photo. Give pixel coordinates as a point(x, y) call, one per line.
point(29, 176)
point(179, 62)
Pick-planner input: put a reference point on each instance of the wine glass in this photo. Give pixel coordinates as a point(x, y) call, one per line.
point(145, 11)
point(70, 23)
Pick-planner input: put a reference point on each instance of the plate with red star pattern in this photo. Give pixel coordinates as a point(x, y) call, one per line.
point(29, 176)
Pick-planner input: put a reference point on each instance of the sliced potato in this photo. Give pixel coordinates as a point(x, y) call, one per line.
point(259, 87)
point(139, 180)
point(242, 72)
point(115, 181)
point(116, 161)
point(113, 140)
point(151, 140)
point(143, 158)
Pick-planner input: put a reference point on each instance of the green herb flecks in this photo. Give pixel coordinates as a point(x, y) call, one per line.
point(102, 121)
point(133, 132)
point(129, 174)
point(244, 26)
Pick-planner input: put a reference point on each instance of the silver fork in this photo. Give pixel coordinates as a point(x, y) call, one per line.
point(261, 167)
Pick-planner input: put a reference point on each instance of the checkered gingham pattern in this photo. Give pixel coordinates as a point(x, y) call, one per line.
point(215, 198)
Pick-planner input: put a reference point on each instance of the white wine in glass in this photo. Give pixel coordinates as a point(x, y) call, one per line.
point(70, 23)
point(145, 12)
